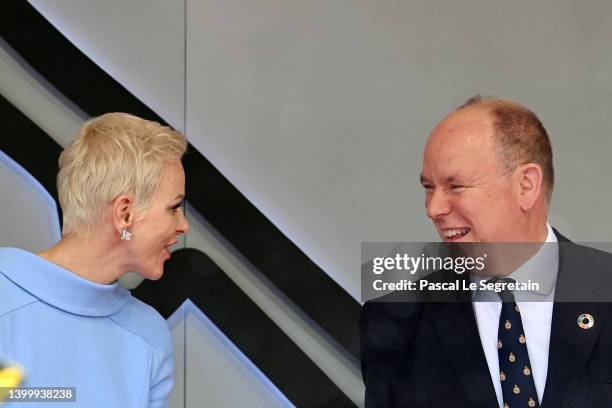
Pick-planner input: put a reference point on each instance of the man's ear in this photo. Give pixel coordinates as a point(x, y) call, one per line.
point(123, 212)
point(530, 181)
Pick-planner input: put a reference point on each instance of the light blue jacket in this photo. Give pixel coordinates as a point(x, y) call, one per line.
point(67, 331)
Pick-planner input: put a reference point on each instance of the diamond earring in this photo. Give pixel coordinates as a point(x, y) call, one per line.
point(125, 235)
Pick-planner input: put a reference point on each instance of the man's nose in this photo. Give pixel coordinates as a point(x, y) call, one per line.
point(438, 205)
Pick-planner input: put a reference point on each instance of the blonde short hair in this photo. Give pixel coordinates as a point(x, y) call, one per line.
point(113, 154)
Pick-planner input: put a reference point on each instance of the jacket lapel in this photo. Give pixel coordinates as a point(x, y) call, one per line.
point(570, 345)
point(456, 327)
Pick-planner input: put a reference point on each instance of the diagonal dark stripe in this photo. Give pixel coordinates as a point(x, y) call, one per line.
point(29, 146)
point(209, 192)
point(190, 274)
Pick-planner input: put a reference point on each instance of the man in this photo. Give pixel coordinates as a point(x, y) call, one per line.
point(488, 177)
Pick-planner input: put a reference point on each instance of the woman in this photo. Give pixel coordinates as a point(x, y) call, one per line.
point(63, 315)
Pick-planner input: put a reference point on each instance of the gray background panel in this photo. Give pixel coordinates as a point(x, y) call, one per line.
point(139, 43)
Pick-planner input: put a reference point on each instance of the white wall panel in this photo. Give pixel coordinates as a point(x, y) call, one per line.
point(177, 323)
point(218, 374)
point(140, 43)
point(318, 110)
point(210, 371)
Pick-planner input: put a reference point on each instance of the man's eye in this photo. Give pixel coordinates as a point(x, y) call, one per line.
point(428, 188)
point(176, 207)
point(457, 189)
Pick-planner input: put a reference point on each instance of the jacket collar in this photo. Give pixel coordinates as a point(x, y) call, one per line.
point(59, 287)
point(582, 273)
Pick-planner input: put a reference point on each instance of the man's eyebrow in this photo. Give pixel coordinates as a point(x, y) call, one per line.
point(181, 196)
point(448, 180)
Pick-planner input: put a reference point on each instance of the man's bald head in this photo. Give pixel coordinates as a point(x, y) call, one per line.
point(519, 135)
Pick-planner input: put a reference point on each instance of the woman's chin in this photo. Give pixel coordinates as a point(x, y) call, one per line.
point(156, 274)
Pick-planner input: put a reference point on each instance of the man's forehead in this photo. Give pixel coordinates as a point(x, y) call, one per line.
point(460, 148)
point(455, 171)
point(467, 126)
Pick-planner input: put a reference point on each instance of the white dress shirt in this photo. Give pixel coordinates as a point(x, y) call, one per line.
point(536, 315)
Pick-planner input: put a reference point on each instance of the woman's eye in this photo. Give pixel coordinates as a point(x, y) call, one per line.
point(176, 207)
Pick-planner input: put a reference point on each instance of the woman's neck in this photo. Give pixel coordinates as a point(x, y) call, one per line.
point(88, 258)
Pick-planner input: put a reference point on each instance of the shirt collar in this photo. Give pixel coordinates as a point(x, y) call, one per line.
point(541, 268)
point(59, 287)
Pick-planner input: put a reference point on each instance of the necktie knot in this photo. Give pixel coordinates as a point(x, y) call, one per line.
point(505, 295)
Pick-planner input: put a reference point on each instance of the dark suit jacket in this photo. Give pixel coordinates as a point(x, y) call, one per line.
point(429, 354)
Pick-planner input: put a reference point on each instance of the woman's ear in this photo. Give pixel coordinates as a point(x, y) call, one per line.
point(530, 178)
point(123, 212)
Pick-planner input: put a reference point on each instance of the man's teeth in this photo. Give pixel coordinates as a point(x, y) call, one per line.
point(454, 233)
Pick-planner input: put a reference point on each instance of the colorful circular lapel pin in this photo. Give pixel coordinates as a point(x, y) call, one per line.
point(585, 321)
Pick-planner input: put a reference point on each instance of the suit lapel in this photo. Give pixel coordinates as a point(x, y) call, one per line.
point(456, 327)
point(570, 345)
